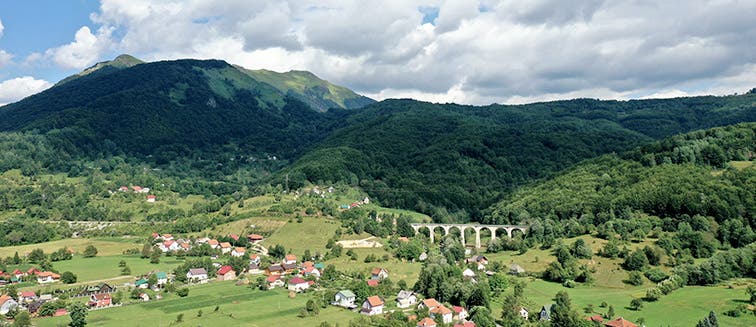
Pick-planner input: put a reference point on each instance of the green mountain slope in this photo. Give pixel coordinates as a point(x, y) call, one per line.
point(168, 108)
point(120, 62)
point(707, 173)
point(305, 86)
point(450, 161)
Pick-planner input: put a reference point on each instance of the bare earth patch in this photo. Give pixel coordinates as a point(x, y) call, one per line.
point(363, 243)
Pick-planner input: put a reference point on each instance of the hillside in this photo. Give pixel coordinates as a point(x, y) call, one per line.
point(168, 108)
point(450, 161)
point(701, 174)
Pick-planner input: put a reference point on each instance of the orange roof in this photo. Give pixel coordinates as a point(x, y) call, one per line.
point(167, 236)
point(60, 312)
point(225, 245)
point(4, 299)
point(373, 282)
point(376, 271)
point(255, 237)
point(102, 296)
point(598, 318)
point(308, 264)
point(426, 322)
point(458, 309)
point(48, 273)
point(465, 324)
point(240, 250)
point(375, 301)
point(234, 236)
point(620, 322)
point(253, 256)
point(212, 242)
point(290, 257)
point(442, 310)
point(431, 303)
point(272, 278)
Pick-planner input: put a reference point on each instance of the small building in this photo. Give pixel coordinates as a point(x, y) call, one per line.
point(289, 267)
point(27, 297)
point(225, 247)
point(443, 312)
point(47, 277)
point(234, 237)
point(255, 238)
point(274, 281)
point(297, 284)
point(524, 313)
point(290, 259)
point(100, 300)
point(379, 273)
point(426, 322)
point(162, 278)
point(460, 313)
point(60, 312)
point(7, 304)
point(144, 296)
point(238, 252)
point(406, 299)
point(429, 304)
point(619, 322)
point(254, 258)
point(142, 283)
point(311, 271)
point(213, 244)
point(468, 273)
point(545, 313)
point(373, 282)
point(151, 198)
point(373, 305)
point(465, 324)
point(197, 275)
point(276, 270)
point(345, 298)
point(169, 245)
point(254, 269)
point(226, 273)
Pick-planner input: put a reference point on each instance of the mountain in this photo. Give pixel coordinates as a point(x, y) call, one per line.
point(452, 161)
point(308, 88)
point(169, 108)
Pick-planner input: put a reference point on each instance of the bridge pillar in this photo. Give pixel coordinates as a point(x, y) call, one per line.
point(416, 228)
point(446, 229)
point(493, 232)
point(462, 234)
point(477, 237)
point(431, 233)
point(509, 232)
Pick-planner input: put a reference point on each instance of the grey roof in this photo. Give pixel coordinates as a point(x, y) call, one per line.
point(198, 271)
point(346, 293)
point(404, 294)
point(275, 268)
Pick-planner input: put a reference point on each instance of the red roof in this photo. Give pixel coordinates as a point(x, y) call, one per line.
point(431, 303)
point(28, 294)
point(60, 312)
point(225, 245)
point(225, 270)
point(297, 280)
point(290, 257)
point(375, 301)
point(17, 272)
point(212, 242)
point(240, 250)
point(272, 278)
point(465, 324)
point(376, 271)
point(151, 196)
point(620, 322)
point(426, 322)
point(234, 236)
point(458, 309)
point(255, 237)
point(102, 296)
point(373, 282)
point(253, 256)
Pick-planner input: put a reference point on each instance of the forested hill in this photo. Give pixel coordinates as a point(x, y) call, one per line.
point(450, 161)
point(695, 178)
point(167, 109)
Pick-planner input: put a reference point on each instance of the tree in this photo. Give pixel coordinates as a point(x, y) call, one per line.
point(751, 292)
point(636, 304)
point(636, 260)
point(510, 313)
point(89, 252)
point(22, 319)
point(403, 227)
point(312, 307)
point(182, 292)
point(562, 314)
point(155, 257)
point(152, 280)
point(68, 277)
point(36, 256)
point(78, 312)
point(635, 278)
point(610, 312)
point(146, 250)
point(481, 316)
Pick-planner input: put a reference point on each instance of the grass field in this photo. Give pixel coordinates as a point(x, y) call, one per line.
point(105, 247)
point(398, 270)
point(311, 233)
point(239, 306)
point(98, 268)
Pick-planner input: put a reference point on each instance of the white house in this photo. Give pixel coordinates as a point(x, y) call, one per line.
point(7, 304)
point(406, 299)
point(169, 245)
point(238, 252)
point(379, 273)
point(297, 284)
point(290, 259)
point(47, 277)
point(373, 305)
point(254, 258)
point(468, 273)
point(225, 247)
point(162, 278)
point(460, 313)
point(524, 313)
point(345, 298)
point(197, 275)
point(444, 312)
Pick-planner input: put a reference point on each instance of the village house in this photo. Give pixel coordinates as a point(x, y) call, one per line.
point(373, 305)
point(185, 246)
point(405, 299)
point(47, 277)
point(169, 245)
point(311, 271)
point(289, 267)
point(254, 238)
point(290, 259)
point(213, 243)
point(226, 273)
point(32, 271)
point(254, 269)
point(27, 297)
point(274, 281)
point(274, 270)
point(7, 304)
point(151, 198)
point(34, 306)
point(254, 258)
point(60, 312)
point(100, 300)
point(225, 247)
point(373, 282)
point(426, 322)
point(238, 252)
point(162, 278)
point(297, 284)
point(443, 312)
point(19, 274)
point(234, 237)
point(545, 313)
point(480, 260)
point(203, 240)
point(142, 283)
point(596, 318)
point(197, 275)
point(144, 297)
point(515, 269)
point(379, 273)
point(460, 313)
point(345, 298)
point(468, 273)
point(429, 304)
point(524, 313)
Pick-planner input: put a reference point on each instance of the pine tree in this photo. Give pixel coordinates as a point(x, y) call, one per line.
point(563, 315)
point(78, 315)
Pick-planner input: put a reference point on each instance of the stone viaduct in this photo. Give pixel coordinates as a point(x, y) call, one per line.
point(462, 227)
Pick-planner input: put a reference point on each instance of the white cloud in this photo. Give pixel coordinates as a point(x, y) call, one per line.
point(478, 52)
point(5, 57)
point(18, 88)
point(84, 51)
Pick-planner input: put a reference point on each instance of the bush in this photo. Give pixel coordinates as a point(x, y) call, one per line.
point(656, 275)
point(89, 252)
point(68, 277)
point(569, 283)
point(182, 292)
point(635, 278)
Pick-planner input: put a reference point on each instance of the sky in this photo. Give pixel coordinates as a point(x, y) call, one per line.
point(463, 51)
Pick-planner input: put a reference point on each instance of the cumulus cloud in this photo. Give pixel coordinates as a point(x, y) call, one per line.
point(18, 88)
point(472, 52)
point(5, 57)
point(84, 51)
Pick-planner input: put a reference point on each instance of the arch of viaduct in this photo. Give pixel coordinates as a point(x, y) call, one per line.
point(462, 227)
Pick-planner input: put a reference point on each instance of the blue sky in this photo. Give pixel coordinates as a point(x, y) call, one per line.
point(465, 51)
